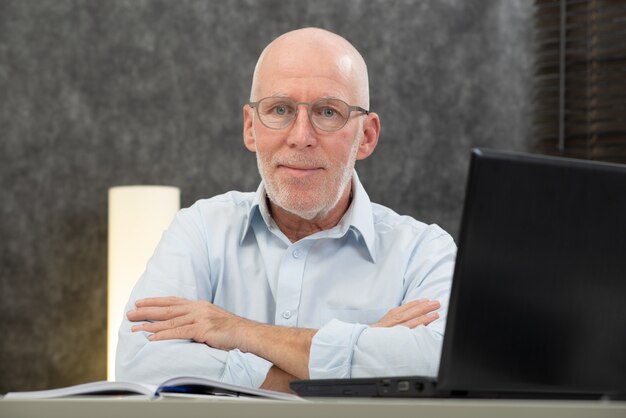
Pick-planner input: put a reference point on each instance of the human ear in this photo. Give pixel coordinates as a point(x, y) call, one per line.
point(248, 128)
point(371, 131)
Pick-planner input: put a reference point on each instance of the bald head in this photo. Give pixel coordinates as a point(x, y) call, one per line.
point(311, 53)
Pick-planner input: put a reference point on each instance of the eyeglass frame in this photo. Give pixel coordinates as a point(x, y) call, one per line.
point(351, 108)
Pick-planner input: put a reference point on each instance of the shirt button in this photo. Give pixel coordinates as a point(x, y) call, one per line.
point(287, 314)
point(297, 254)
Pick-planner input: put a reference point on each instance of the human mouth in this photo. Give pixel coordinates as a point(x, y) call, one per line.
point(297, 166)
point(298, 170)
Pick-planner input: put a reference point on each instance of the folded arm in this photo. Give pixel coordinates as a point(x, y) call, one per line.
point(140, 360)
point(179, 267)
point(287, 348)
point(399, 343)
point(341, 349)
point(201, 321)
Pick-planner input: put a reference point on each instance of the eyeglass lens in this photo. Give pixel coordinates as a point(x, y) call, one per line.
point(326, 114)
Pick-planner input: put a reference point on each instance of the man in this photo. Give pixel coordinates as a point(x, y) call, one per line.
point(305, 278)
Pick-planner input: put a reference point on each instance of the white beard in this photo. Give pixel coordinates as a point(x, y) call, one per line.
point(281, 196)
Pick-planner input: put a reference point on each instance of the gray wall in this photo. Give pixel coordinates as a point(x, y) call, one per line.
point(101, 93)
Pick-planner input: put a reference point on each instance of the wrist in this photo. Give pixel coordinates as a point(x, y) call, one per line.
point(248, 335)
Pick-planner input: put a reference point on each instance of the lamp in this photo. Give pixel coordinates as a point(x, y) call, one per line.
point(138, 215)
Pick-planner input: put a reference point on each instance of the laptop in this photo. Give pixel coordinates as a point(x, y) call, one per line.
point(538, 301)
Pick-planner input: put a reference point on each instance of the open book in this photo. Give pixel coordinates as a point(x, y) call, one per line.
point(177, 386)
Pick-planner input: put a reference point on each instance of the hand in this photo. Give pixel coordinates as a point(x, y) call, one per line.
point(412, 314)
point(201, 321)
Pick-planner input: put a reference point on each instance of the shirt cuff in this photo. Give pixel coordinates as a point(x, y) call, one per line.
point(332, 349)
point(245, 369)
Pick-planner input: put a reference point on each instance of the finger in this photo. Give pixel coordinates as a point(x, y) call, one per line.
point(398, 314)
point(409, 305)
point(157, 313)
point(186, 332)
point(161, 301)
point(159, 326)
point(422, 320)
point(407, 312)
point(415, 310)
point(421, 309)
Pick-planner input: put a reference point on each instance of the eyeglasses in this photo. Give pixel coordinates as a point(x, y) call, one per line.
point(326, 114)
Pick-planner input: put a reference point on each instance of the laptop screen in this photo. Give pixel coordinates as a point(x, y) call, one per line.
point(539, 291)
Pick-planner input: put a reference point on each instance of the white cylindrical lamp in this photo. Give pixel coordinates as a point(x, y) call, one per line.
point(138, 216)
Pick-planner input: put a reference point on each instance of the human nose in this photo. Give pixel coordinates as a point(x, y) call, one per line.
point(302, 133)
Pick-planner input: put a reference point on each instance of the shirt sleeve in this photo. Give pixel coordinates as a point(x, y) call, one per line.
point(341, 350)
point(180, 267)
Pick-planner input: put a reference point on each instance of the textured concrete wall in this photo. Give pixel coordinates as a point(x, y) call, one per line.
point(101, 93)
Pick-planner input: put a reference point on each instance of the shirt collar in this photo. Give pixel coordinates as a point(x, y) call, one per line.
point(358, 219)
point(258, 208)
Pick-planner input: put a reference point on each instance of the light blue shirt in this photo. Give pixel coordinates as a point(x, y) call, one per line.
point(229, 251)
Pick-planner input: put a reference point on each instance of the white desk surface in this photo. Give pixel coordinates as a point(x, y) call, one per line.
point(322, 408)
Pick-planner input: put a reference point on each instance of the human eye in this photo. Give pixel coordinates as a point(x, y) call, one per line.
point(275, 107)
point(281, 109)
point(328, 110)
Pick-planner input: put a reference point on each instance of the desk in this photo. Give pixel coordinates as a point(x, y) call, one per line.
point(323, 408)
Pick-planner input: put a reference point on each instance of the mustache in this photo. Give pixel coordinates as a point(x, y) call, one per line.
point(298, 160)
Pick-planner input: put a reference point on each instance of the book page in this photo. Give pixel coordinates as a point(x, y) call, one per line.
point(203, 386)
point(100, 388)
